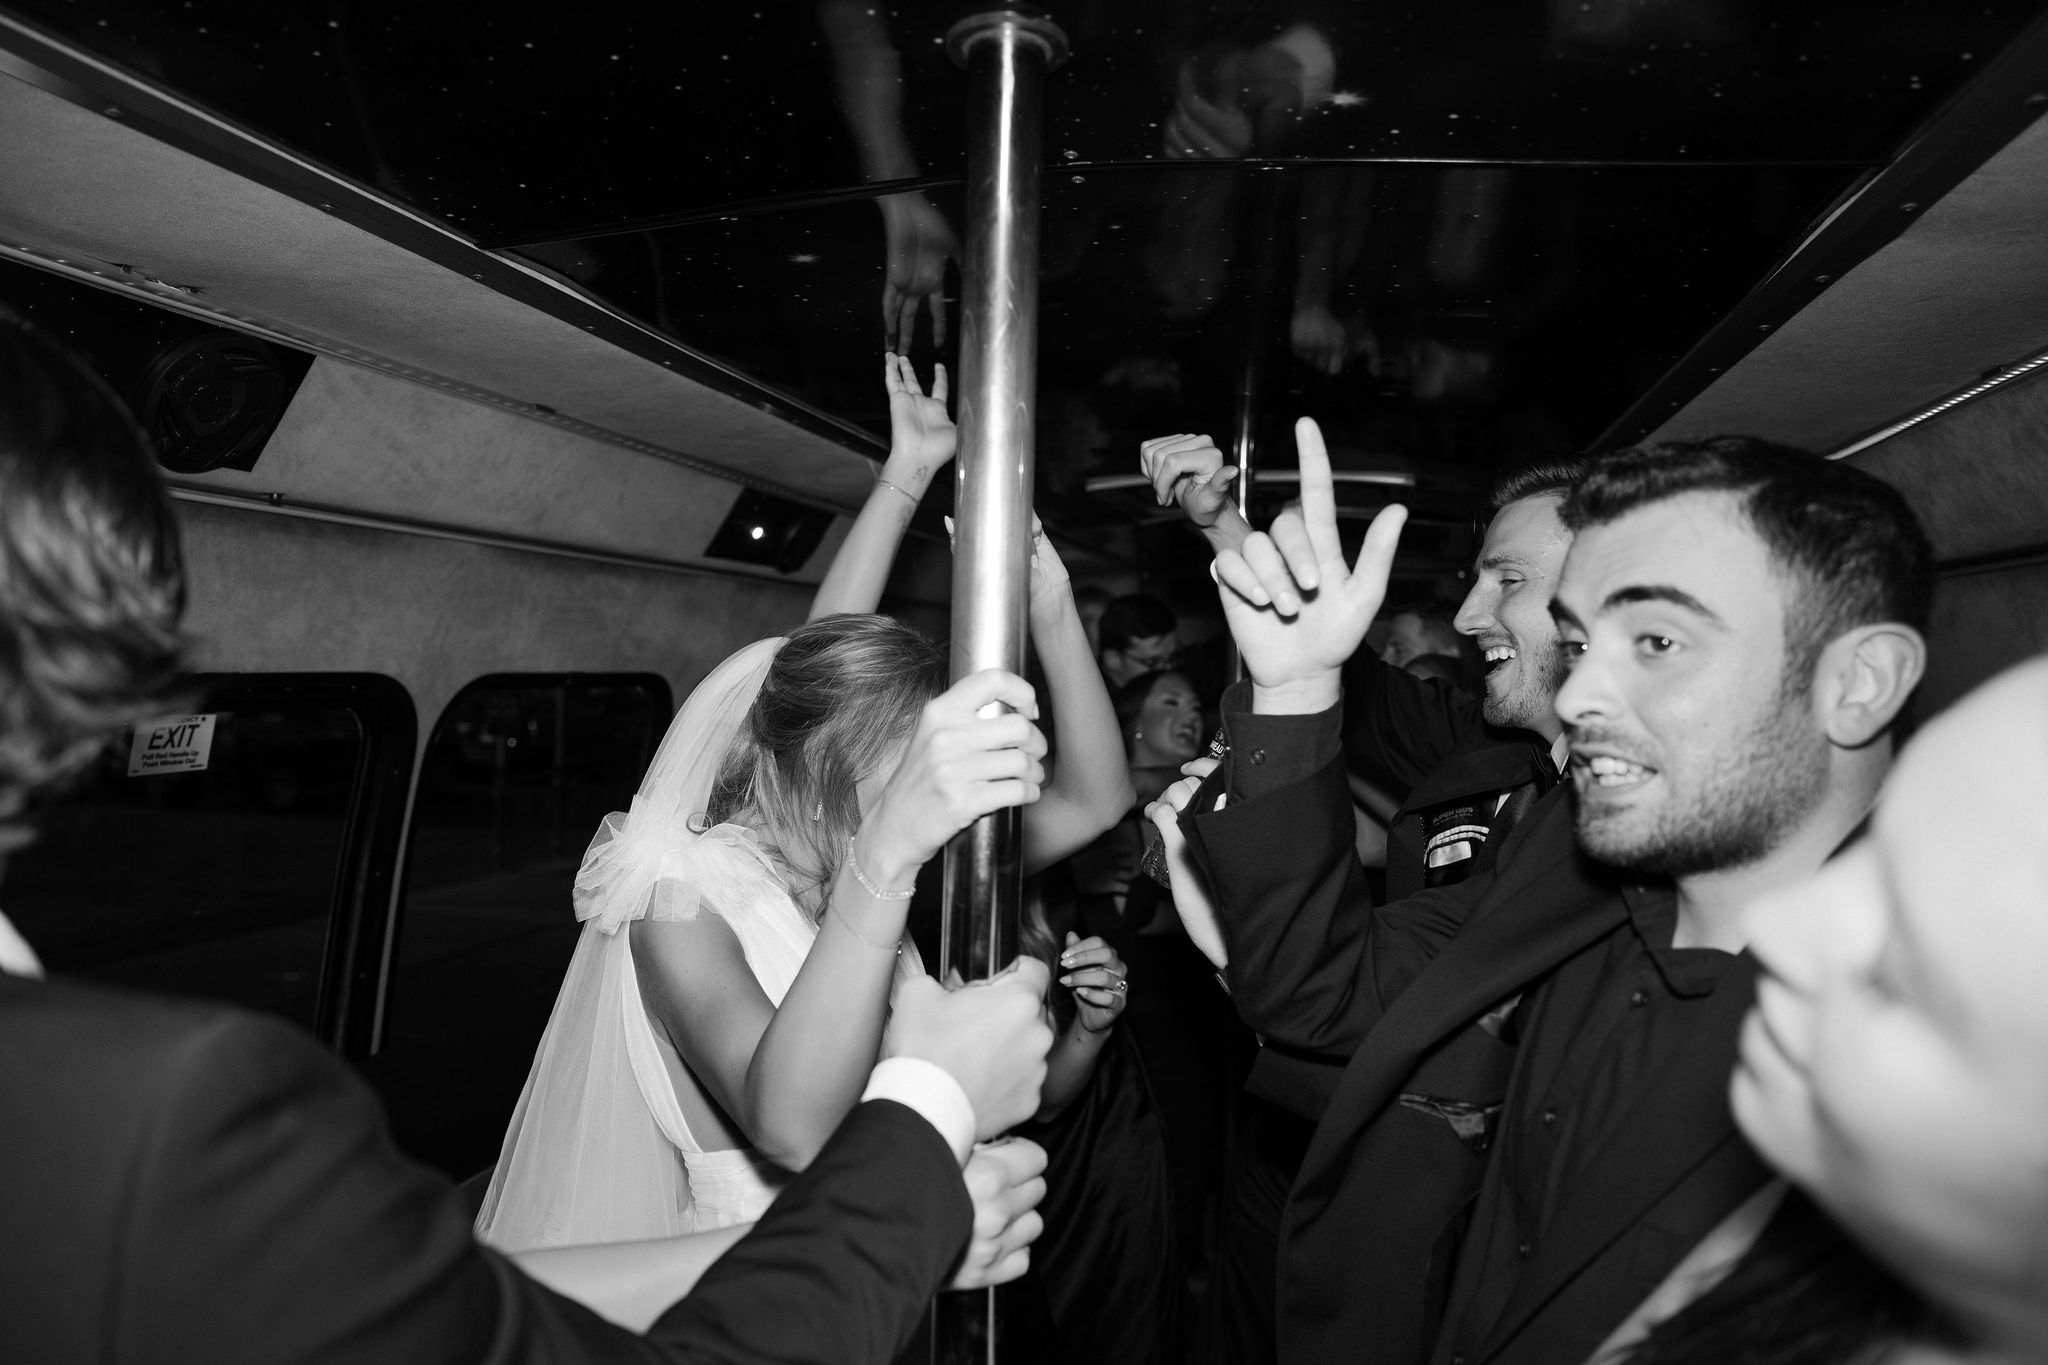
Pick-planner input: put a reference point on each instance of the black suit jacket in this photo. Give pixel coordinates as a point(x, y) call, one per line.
point(1666, 1167)
point(1372, 1227)
point(182, 1182)
point(1431, 740)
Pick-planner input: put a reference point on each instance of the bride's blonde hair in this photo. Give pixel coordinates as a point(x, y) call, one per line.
point(841, 695)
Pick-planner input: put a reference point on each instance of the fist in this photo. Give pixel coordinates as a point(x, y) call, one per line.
point(991, 1036)
point(1005, 1180)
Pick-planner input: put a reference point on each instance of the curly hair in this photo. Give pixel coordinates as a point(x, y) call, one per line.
point(843, 692)
point(92, 583)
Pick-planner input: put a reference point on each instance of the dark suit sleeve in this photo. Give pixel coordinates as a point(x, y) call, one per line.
point(843, 1264)
point(270, 1220)
point(1312, 963)
point(1398, 727)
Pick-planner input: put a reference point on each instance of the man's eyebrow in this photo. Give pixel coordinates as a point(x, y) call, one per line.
point(1503, 559)
point(1660, 592)
point(1561, 613)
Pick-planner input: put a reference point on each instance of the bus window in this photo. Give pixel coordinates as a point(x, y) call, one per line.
point(206, 854)
point(516, 777)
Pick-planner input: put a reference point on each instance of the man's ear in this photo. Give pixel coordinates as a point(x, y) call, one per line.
point(1864, 678)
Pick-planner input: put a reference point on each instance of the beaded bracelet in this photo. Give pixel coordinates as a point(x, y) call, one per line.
point(853, 865)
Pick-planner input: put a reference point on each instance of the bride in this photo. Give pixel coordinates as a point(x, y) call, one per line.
point(744, 920)
point(743, 924)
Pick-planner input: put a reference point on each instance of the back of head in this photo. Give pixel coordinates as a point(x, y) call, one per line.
point(1848, 548)
point(1446, 668)
point(840, 699)
point(91, 580)
point(1135, 617)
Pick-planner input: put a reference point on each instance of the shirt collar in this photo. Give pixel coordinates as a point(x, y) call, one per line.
point(1560, 752)
point(16, 957)
point(1653, 914)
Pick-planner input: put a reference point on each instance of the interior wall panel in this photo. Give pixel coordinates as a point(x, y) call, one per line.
point(370, 442)
point(271, 593)
point(1959, 292)
point(1983, 623)
point(1977, 474)
point(78, 185)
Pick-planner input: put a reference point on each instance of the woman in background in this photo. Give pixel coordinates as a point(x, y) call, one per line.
point(1194, 1049)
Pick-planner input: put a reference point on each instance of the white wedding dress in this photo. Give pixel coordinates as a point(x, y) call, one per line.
point(598, 1149)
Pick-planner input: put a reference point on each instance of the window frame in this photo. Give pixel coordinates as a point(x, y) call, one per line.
point(388, 946)
point(371, 825)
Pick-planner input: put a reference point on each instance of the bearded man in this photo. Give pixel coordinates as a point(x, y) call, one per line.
point(1745, 620)
point(1743, 624)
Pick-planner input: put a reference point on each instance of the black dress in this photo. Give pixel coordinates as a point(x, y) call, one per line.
point(1107, 1260)
point(1108, 1277)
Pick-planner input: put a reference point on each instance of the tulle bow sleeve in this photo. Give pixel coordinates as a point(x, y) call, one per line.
point(641, 865)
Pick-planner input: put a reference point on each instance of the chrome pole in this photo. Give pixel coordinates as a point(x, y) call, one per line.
point(1006, 54)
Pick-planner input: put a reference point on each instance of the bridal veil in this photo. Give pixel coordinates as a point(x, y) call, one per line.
point(595, 1148)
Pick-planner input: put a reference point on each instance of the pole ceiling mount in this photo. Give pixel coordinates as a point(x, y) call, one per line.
point(1031, 25)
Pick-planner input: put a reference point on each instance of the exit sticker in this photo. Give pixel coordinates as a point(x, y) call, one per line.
point(179, 744)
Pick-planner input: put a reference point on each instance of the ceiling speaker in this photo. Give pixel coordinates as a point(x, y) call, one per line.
point(212, 401)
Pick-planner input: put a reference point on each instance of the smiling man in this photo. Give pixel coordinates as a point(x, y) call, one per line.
point(1469, 769)
point(1743, 625)
point(1743, 621)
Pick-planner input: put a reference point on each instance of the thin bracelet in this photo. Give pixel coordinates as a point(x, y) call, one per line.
point(914, 499)
point(868, 886)
point(847, 925)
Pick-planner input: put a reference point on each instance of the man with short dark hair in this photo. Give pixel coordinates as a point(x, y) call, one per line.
point(187, 1182)
point(1746, 623)
point(1139, 634)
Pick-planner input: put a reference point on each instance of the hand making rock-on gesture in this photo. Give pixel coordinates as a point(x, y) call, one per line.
point(1295, 608)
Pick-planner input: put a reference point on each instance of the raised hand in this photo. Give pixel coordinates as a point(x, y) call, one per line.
point(1318, 338)
point(921, 434)
point(1005, 1179)
point(1050, 582)
point(1199, 128)
point(1295, 608)
point(1190, 888)
point(960, 766)
point(1189, 469)
point(920, 242)
point(1097, 977)
point(991, 1036)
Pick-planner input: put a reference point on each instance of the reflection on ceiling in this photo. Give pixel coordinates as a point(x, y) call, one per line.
point(1462, 235)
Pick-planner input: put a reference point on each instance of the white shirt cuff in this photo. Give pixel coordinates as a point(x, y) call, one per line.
point(931, 1090)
